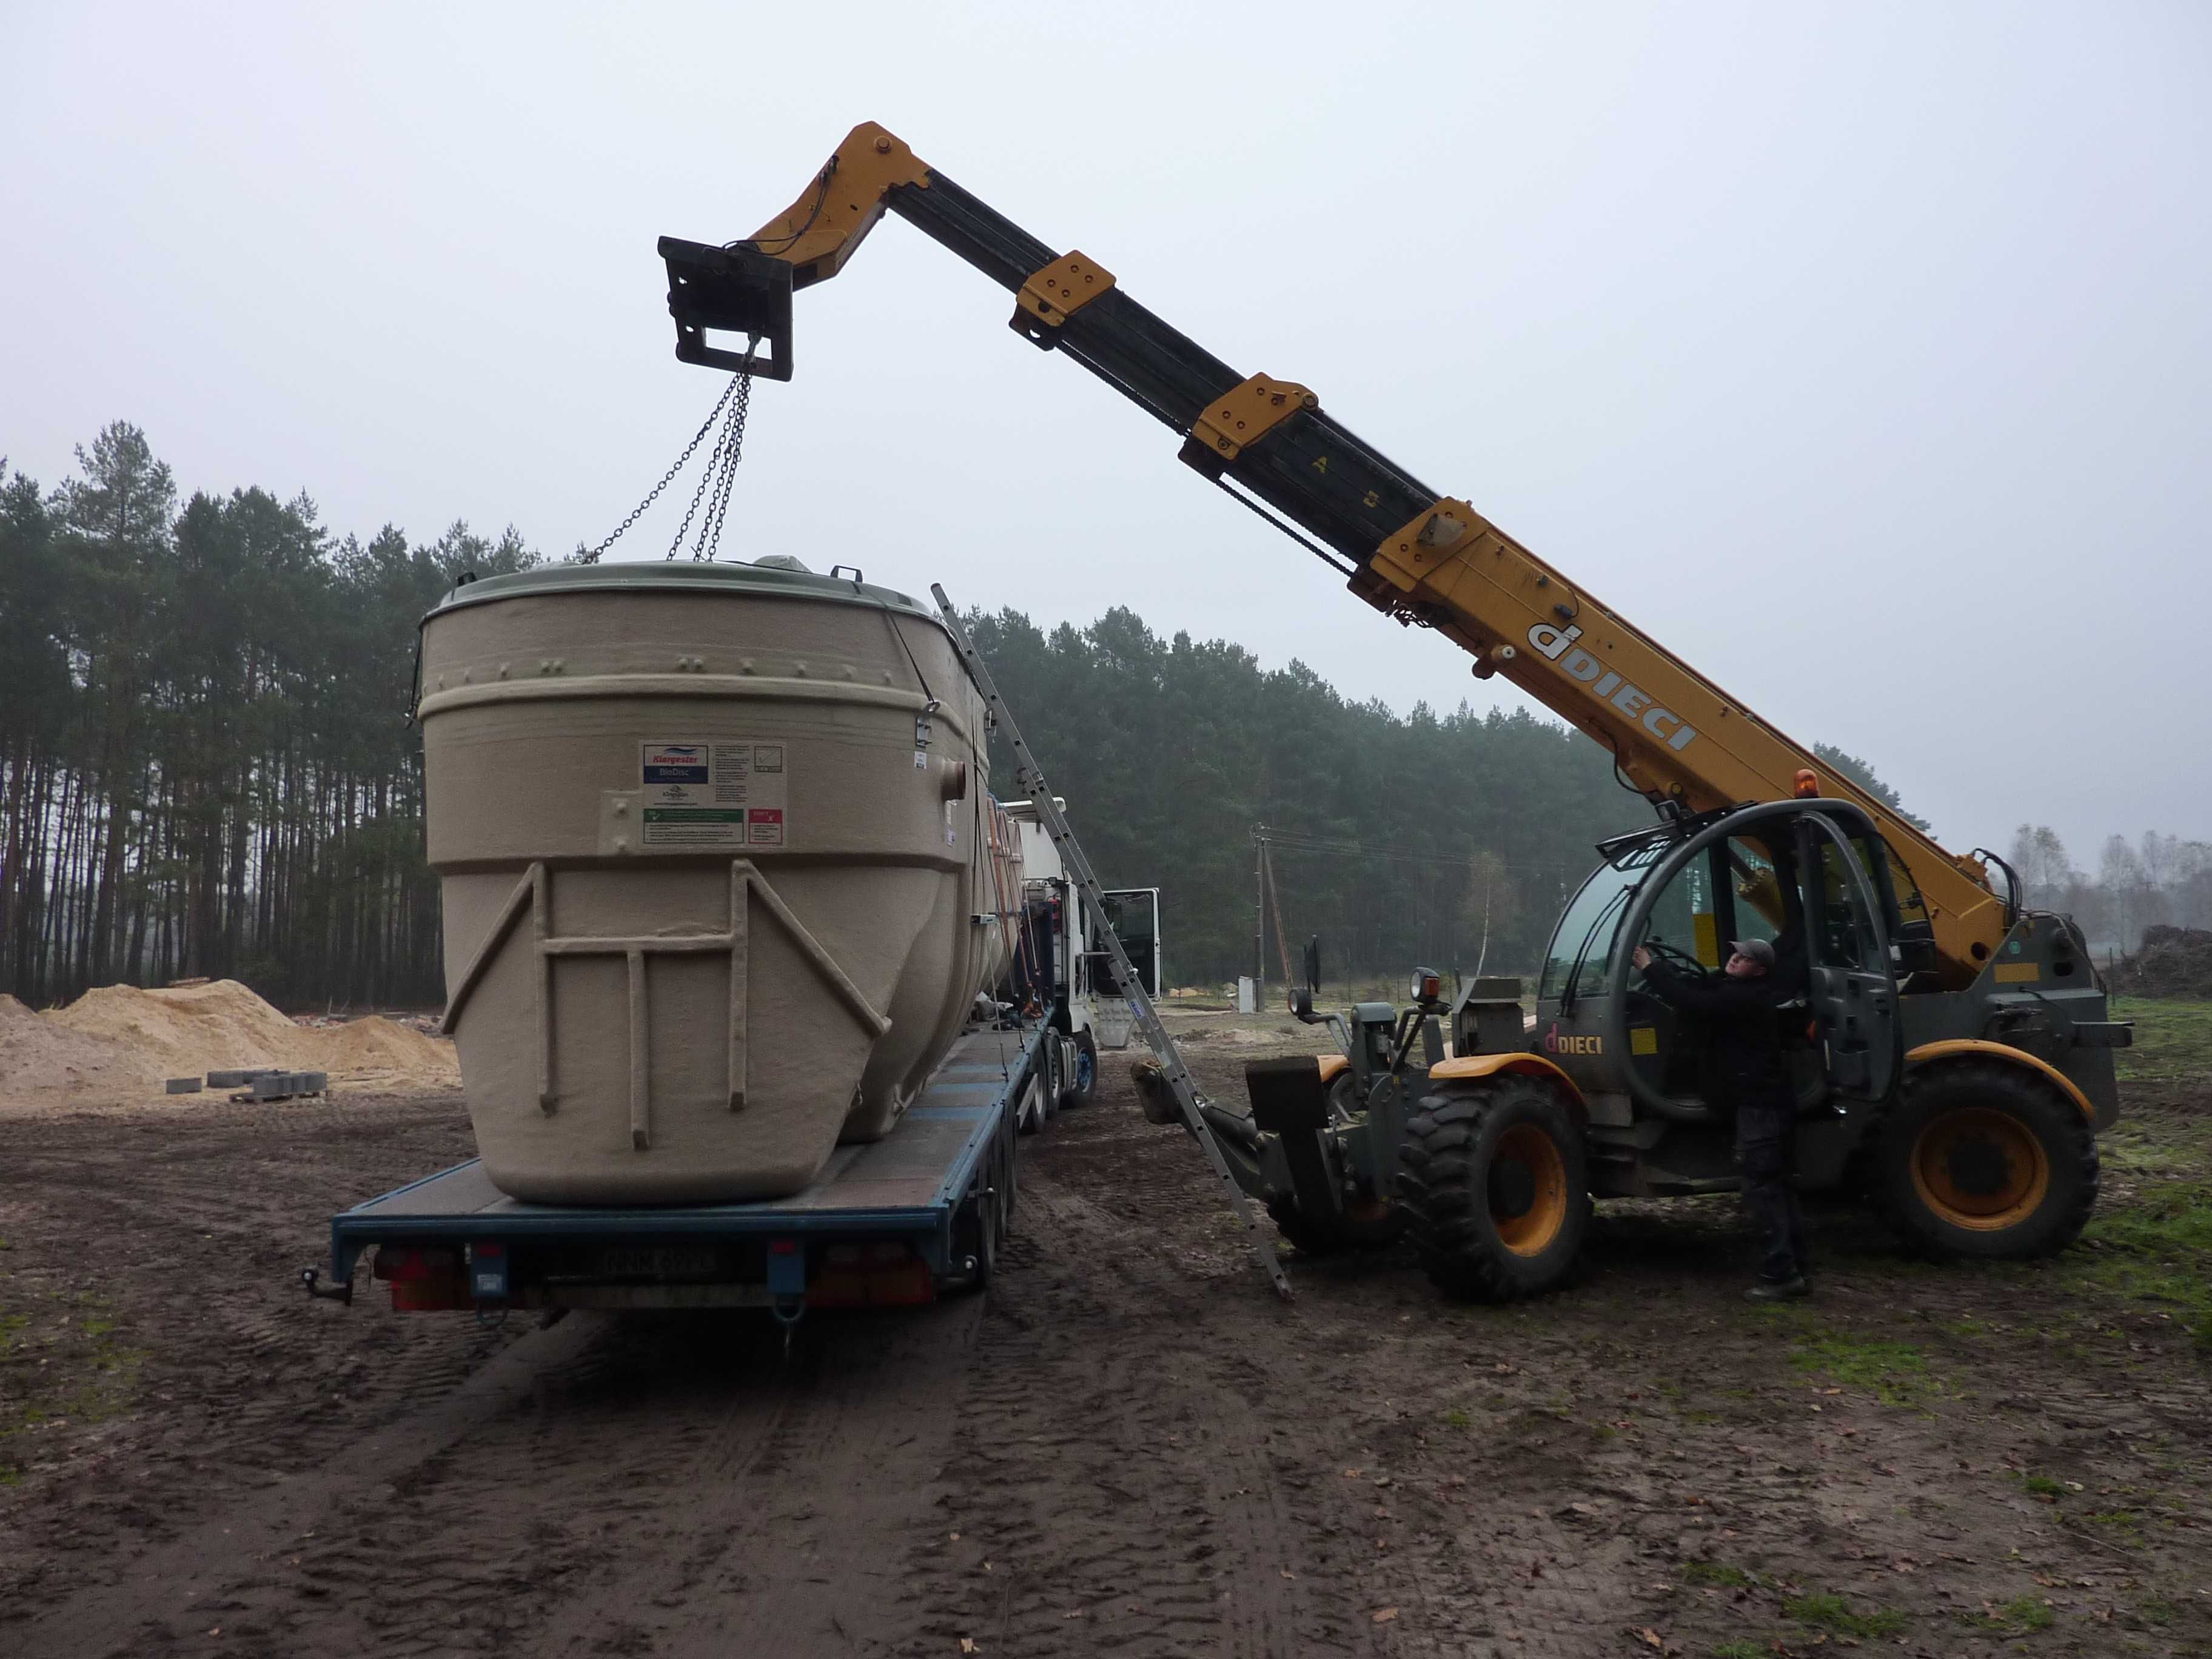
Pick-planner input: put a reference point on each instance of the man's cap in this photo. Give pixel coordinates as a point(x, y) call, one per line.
point(1757, 950)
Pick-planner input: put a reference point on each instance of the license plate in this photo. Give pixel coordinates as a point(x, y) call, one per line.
point(659, 1262)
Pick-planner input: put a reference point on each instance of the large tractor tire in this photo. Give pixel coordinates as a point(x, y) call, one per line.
point(1493, 1185)
point(1985, 1159)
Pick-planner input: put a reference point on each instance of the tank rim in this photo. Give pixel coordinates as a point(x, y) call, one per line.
point(657, 576)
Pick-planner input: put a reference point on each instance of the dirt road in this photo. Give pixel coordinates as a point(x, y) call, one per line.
point(1127, 1448)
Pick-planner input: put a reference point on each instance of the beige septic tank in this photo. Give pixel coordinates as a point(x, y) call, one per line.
point(722, 874)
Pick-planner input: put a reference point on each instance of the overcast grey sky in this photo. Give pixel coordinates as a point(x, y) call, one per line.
point(1862, 354)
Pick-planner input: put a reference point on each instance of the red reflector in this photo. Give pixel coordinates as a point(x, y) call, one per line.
point(783, 1246)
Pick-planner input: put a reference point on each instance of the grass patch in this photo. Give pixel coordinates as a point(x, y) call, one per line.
point(1742, 1648)
point(2042, 1486)
point(1713, 1573)
point(2123, 1525)
point(88, 1374)
point(2159, 1249)
point(1895, 1373)
point(2022, 1612)
point(2173, 1038)
point(1456, 1419)
point(1832, 1613)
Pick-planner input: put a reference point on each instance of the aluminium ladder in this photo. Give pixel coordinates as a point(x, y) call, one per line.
point(1031, 780)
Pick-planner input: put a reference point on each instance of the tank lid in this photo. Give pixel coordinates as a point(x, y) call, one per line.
point(657, 575)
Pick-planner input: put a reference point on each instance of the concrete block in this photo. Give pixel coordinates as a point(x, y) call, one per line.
point(240, 1079)
point(183, 1085)
point(282, 1085)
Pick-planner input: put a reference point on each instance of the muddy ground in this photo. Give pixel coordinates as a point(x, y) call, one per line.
point(1127, 1448)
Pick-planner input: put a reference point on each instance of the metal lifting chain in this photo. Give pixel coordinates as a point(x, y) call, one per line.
point(723, 470)
point(735, 400)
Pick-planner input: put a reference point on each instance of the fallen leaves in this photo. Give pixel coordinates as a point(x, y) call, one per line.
point(1383, 1615)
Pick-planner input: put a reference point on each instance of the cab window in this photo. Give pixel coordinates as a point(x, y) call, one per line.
point(1583, 938)
point(1759, 906)
point(1687, 914)
point(1846, 938)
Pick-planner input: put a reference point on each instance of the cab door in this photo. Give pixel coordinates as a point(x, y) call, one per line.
point(1851, 985)
point(1134, 913)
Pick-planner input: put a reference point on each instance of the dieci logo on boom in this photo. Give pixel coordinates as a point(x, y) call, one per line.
point(1558, 647)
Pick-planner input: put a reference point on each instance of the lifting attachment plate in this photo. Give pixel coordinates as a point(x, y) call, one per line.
point(734, 290)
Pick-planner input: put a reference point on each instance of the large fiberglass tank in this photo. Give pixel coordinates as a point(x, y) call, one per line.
point(722, 874)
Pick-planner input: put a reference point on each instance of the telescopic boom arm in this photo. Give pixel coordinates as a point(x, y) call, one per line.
point(1413, 553)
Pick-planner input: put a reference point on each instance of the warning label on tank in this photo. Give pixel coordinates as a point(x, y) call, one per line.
point(729, 793)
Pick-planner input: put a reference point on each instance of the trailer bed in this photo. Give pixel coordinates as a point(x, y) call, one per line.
point(906, 1190)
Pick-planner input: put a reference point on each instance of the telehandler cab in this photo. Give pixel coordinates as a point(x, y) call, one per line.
point(1958, 1053)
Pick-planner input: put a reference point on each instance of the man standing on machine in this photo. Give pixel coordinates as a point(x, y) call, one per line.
point(1746, 1068)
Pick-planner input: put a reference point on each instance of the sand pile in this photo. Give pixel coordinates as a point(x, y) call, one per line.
point(385, 1047)
point(199, 1028)
point(121, 1041)
point(37, 1053)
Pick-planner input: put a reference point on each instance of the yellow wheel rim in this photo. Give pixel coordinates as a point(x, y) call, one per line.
point(1980, 1168)
point(1527, 1164)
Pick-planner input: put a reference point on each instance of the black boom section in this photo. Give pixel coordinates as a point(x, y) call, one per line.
point(1313, 472)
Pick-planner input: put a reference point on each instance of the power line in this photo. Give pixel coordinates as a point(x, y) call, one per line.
point(1297, 841)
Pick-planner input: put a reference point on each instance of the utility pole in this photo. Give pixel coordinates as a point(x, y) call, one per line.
point(1259, 923)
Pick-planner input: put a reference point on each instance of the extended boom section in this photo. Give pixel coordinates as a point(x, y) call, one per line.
point(1407, 549)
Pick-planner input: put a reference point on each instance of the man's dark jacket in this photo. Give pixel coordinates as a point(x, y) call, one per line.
point(1747, 1033)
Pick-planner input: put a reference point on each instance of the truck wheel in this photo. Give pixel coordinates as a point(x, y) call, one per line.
point(1984, 1159)
point(1366, 1224)
point(1084, 1086)
point(1491, 1181)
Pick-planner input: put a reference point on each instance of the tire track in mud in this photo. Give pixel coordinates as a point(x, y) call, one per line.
point(1123, 1481)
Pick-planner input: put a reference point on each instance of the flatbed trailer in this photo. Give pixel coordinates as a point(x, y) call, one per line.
point(898, 1221)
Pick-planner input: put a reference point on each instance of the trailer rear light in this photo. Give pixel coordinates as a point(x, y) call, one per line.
point(413, 1264)
point(890, 1283)
point(423, 1278)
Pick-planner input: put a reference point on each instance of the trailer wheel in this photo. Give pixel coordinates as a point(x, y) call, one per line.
point(984, 1219)
point(1492, 1180)
point(1983, 1159)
